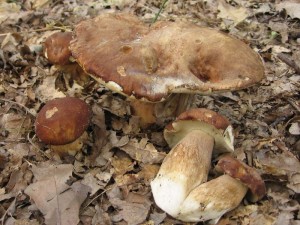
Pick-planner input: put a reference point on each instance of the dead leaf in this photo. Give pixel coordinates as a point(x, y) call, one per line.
point(58, 201)
point(143, 151)
point(47, 91)
point(122, 165)
point(15, 124)
point(235, 14)
point(133, 210)
point(101, 217)
point(8, 10)
point(90, 181)
point(295, 128)
point(157, 218)
point(292, 8)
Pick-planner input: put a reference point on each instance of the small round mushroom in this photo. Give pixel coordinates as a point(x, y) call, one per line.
point(211, 200)
point(152, 63)
point(62, 122)
point(192, 136)
point(56, 48)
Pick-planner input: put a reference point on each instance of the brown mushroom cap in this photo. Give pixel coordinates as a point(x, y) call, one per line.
point(205, 120)
point(62, 120)
point(152, 62)
point(56, 48)
point(244, 173)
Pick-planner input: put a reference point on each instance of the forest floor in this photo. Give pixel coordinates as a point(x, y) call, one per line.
point(107, 182)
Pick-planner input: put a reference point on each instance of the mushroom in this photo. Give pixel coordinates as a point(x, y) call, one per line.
point(209, 201)
point(192, 137)
point(154, 63)
point(62, 122)
point(56, 50)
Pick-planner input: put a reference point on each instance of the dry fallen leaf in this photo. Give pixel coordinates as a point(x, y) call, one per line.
point(47, 91)
point(292, 8)
point(235, 14)
point(58, 201)
point(134, 209)
point(143, 151)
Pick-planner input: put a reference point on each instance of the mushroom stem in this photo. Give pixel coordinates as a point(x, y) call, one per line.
point(185, 167)
point(158, 112)
point(212, 199)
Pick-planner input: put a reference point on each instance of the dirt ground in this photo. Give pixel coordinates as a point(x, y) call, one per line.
point(107, 182)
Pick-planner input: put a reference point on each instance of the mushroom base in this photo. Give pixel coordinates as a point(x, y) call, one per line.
point(158, 112)
point(71, 148)
point(212, 199)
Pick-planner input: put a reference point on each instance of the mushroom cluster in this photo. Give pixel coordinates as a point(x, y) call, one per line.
point(181, 188)
point(159, 68)
point(165, 61)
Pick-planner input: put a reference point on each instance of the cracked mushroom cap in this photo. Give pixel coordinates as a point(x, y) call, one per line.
point(150, 63)
point(62, 121)
point(205, 120)
point(56, 48)
point(245, 174)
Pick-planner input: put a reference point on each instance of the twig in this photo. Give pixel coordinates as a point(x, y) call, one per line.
point(36, 147)
point(37, 30)
point(160, 10)
point(287, 60)
point(294, 104)
point(22, 106)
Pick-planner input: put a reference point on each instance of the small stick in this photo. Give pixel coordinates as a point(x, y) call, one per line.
point(37, 30)
point(20, 105)
point(287, 60)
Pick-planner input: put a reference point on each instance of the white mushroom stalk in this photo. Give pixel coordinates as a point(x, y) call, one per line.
point(193, 136)
point(211, 200)
point(184, 168)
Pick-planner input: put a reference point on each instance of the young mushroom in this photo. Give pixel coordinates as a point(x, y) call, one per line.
point(57, 52)
point(192, 136)
point(56, 48)
point(209, 201)
point(156, 63)
point(62, 122)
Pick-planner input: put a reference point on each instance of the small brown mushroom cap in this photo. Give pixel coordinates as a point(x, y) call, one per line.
point(152, 62)
point(56, 48)
point(62, 120)
point(205, 120)
point(245, 174)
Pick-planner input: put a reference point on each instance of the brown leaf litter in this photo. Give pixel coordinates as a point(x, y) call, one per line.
point(107, 182)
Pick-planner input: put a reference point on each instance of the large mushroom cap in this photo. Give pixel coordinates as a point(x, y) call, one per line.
point(153, 62)
point(205, 120)
point(62, 120)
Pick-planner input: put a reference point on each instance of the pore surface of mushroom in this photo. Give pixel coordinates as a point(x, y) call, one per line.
point(193, 136)
point(150, 63)
point(209, 201)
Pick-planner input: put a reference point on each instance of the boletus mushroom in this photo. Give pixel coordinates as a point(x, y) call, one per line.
point(62, 122)
point(56, 48)
point(209, 201)
point(154, 63)
point(192, 136)
point(57, 52)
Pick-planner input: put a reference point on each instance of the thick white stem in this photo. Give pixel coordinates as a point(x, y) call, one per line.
point(212, 199)
point(185, 167)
